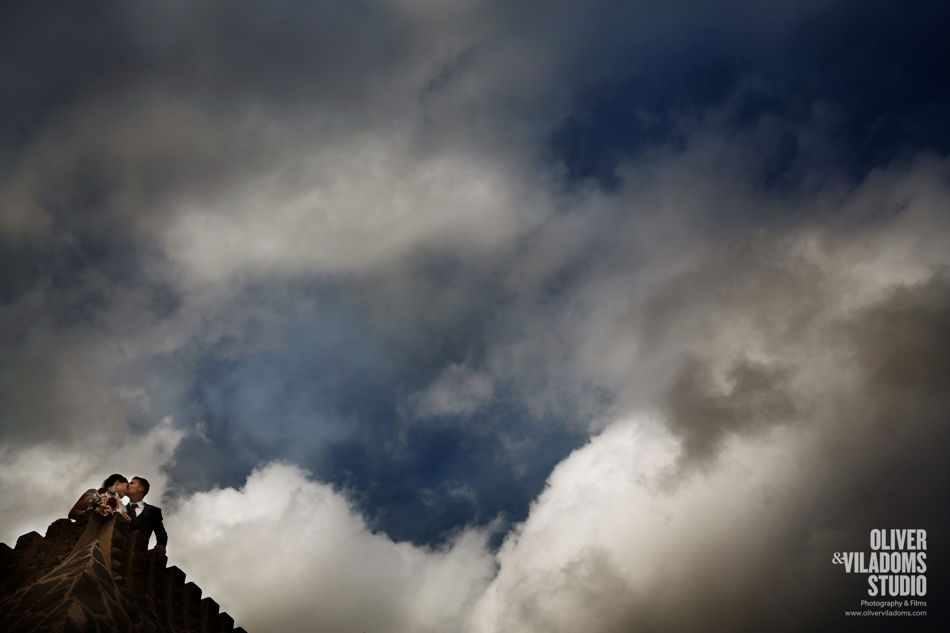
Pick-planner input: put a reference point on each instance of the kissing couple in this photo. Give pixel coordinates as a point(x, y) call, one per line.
point(107, 501)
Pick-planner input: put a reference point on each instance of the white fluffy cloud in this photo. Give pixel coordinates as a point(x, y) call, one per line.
point(285, 553)
point(613, 540)
point(609, 536)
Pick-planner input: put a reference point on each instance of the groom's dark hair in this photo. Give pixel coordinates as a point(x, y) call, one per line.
point(111, 479)
point(144, 482)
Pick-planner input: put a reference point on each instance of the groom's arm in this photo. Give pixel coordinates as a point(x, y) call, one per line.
point(161, 536)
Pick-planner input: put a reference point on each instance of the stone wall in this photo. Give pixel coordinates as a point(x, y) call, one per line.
point(94, 575)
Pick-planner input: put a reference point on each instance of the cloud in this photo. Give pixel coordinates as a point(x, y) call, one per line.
point(607, 546)
point(285, 552)
point(366, 204)
point(311, 231)
point(702, 415)
point(457, 391)
point(577, 308)
point(610, 545)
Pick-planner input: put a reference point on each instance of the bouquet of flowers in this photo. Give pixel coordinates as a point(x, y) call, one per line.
point(104, 503)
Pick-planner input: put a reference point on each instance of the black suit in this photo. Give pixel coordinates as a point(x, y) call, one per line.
point(148, 520)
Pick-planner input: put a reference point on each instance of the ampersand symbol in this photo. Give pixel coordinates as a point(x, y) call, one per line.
point(836, 559)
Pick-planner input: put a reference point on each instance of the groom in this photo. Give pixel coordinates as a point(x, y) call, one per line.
point(145, 518)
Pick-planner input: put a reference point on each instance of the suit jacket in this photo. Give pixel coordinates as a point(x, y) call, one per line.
point(148, 520)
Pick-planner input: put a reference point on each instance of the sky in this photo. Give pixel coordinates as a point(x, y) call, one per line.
point(482, 317)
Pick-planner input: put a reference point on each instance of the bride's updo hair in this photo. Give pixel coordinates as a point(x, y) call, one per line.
point(111, 481)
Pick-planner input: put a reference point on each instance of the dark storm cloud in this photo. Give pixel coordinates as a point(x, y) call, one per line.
point(900, 345)
point(54, 55)
point(355, 64)
point(58, 56)
point(294, 53)
point(114, 115)
point(893, 435)
point(878, 461)
point(703, 414)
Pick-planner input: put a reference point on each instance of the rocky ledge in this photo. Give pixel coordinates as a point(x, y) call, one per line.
point(94, 575)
